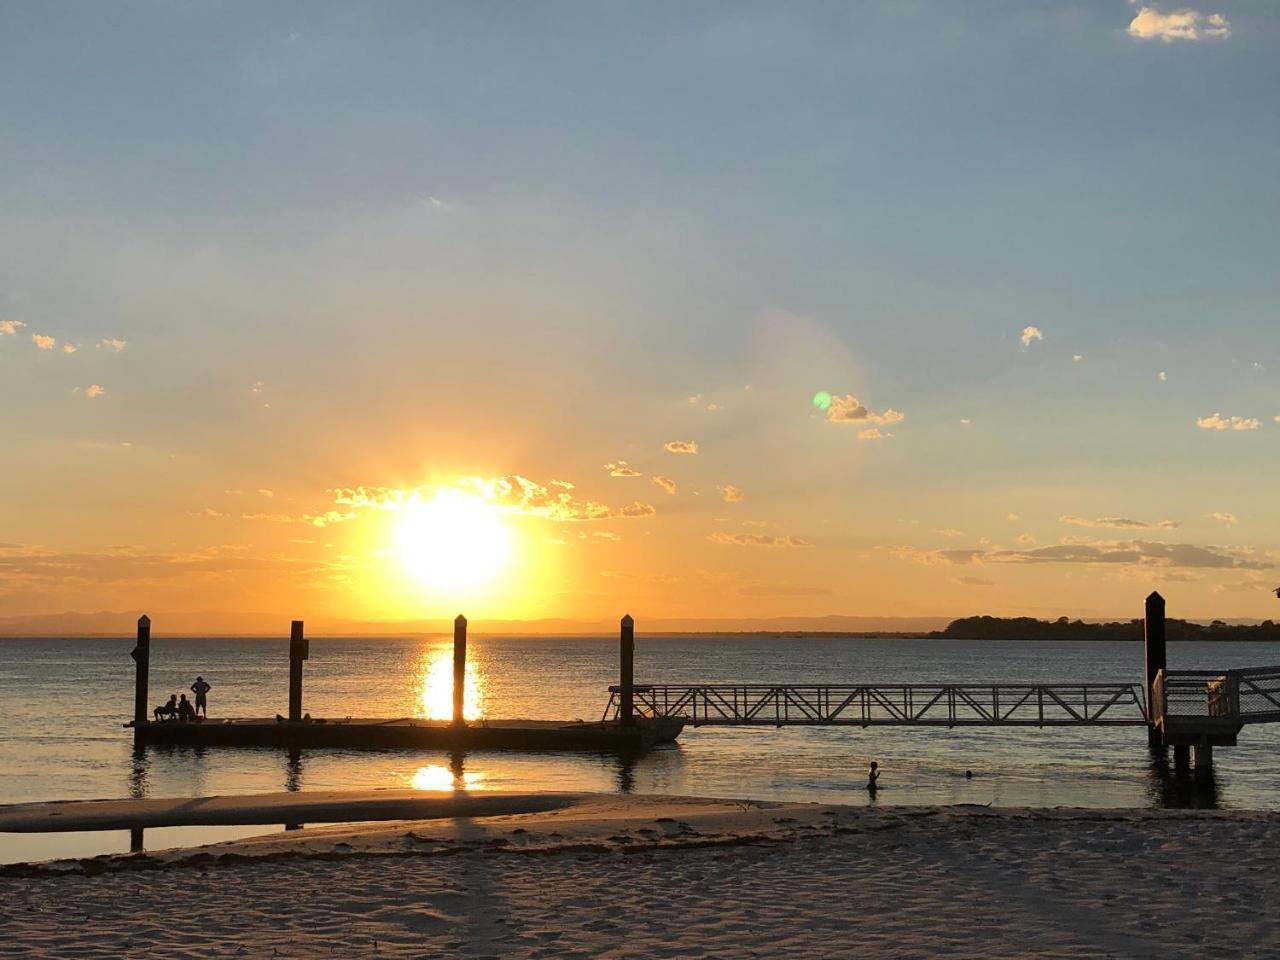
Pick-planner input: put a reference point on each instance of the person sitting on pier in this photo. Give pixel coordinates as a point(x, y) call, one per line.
point(873, 775)
point(167, 711)
point(186, 713)
point(201, 689)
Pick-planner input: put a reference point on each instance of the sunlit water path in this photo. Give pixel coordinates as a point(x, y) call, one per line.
point(62, 703)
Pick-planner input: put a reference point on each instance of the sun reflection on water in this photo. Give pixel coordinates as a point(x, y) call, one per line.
point(435, 777)
point(434, 683)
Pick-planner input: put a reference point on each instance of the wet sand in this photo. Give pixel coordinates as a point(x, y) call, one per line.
point(613, 876)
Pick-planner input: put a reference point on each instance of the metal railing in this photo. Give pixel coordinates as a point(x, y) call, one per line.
point(1240, 696)
point(907, 704)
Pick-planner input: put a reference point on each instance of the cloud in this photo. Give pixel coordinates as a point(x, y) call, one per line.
point(1222, 516)
point(973, 582)
point(873, 433)
point(1162, 376)
point(1136, 553)
point(848, 409)
point(9, 327)
point(696, 399)
point(621, 469)
point(1029, 334)
point(966, 420)
point(606, 535)
point(112, 344)
point(666, 483)
point(1076, 357)
point(69, 348)
point(731, 493)
point(94, 391)
point(265, 492)
point(1118, 523)
point(44, 342)
point(1150, 23)
point(274, 517)
point(680, 446)
point(757, 540)
point(1217, 421)
point(782, 590)
point(949, 532)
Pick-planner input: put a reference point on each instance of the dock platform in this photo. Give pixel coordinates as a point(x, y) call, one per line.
point(378, 734)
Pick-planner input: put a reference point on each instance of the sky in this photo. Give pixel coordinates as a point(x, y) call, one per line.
point(389, 310)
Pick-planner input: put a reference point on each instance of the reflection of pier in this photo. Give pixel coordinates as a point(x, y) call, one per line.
point(300, 730)
point(1180, 708)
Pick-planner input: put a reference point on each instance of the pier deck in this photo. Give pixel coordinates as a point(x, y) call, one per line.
point(374, 733)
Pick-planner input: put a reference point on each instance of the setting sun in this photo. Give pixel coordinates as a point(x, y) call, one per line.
point(454, 541)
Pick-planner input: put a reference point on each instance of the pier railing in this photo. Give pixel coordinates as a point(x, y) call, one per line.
point(866, 705)
point(1230, 697)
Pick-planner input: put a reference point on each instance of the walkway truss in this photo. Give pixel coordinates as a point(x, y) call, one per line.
point(871, 705)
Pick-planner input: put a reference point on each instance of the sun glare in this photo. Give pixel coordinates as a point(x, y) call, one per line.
point(453, 542)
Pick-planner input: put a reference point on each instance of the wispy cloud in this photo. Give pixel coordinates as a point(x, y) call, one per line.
point(111, 343)
point(666, 483)
point(1132, 553)
point(265, 492)
point(973, 582)
point(949, 532)
point(43, 341)
point(757, 540)
point(621, 469)
point(94, 391)
point(680, 446)
point(1162, 376)
point(873, 433)
point(848, 409)
point(1222, 516)
point(9, 327)
point(731, 494)
point(1151, 23)
point(1118, 523)
point(1030, 334)
point(1216, 421)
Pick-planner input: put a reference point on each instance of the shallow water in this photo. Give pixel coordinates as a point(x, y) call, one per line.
point(63, 703)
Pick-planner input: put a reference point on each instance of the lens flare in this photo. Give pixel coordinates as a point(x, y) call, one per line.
point(822, 400)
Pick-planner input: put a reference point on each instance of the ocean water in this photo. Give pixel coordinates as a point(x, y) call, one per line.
point(63, 703)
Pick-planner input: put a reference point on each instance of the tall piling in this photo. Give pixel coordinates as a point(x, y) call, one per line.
point(459, 670)
point(626, 672)
point(1154, 657)
point(142, 673)
point(299, 650)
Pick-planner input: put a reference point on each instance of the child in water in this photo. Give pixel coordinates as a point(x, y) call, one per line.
point(873, 774)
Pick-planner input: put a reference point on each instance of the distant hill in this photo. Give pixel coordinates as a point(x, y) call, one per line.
point(1027, 628)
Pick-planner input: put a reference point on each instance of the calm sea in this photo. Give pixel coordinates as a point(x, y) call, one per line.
point(62, 703)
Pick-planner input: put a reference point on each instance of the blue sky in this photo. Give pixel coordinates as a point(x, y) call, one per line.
point(389, 244)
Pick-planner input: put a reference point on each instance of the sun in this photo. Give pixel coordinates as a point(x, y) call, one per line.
point(454, 541)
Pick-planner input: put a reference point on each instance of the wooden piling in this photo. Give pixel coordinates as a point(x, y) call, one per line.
point(142, 672)
point(626, 670)
point(1154, 656)
point(299, 650)
point(459, 670)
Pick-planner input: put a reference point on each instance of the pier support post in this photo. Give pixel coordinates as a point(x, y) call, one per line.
point(135, 840)
point(142, 658)
point(626, 671)
point(1204, 757)
point(1154, 657)
point(1181, 759)
point(459, 670)
point(298, 651)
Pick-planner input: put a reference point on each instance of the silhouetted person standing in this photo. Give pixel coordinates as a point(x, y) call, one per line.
point(201, 689)
point(873, 776)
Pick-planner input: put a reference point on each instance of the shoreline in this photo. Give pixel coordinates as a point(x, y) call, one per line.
point(589, 875)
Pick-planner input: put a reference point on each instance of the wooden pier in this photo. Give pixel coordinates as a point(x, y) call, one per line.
point(624, 733)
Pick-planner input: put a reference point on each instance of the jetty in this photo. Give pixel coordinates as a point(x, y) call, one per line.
point(627, 731)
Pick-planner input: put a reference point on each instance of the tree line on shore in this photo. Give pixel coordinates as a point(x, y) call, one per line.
point(1029, 628)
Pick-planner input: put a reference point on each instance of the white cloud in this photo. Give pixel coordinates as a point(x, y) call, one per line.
point(9, 327)
point(873, 433)
point(1162, 376)
point(966, 420)
point(757, 540)
point(265, 492)
point(696, 399)
point(666, 483)
point(94, 391)
point(1118, 523)
point(1030, 333)
point(43, 342)
point(111, 343)
point(68, 348)
point(621, 469)
point(1076, 357)
point(1217, 421)
point(1150, 23)
point(1222, 516)
point(848, 409)
point(732, 494)
point(680, 446)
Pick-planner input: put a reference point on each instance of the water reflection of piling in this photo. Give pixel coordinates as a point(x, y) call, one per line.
point(1172, 786)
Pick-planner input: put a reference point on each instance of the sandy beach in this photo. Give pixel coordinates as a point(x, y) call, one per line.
point(610, 876)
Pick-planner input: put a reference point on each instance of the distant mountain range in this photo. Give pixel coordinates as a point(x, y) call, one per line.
point(219, 623)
